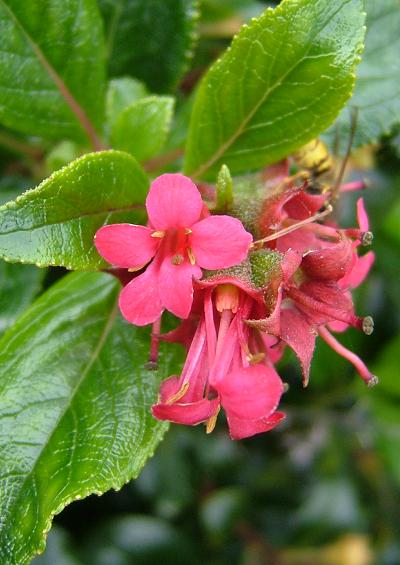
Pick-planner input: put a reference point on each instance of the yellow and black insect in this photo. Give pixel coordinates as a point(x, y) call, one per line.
point(314, 157)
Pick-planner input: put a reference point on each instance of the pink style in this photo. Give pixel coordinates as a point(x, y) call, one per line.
point(181, 238)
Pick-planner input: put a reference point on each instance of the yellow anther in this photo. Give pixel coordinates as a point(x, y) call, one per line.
point(188, 231)
point(210, 424)
point(177, 259)
point(255, 358)
point(178, 395)
point(191, 256)
point(134, 269)
point(159, 233)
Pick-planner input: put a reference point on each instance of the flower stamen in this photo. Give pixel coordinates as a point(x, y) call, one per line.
point(180, 394)
point(191, 256)
point(293, 227)
point(177, 259)
point(210, 424)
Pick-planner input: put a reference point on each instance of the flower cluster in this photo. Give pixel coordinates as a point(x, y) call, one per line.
point(241, 301)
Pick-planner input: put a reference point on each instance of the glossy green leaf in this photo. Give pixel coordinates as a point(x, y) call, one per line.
point(55, 223)
point(283, 80)
point(121, 93)
point(151, 40)
point(19, 285)
point(52, 68)
point(377, 93)
point(75, 406)
point(142, 128)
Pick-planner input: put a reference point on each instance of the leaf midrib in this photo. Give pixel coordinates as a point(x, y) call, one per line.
point(74, 218)
point(63, 89)
point(252, 113)
point(102, 339)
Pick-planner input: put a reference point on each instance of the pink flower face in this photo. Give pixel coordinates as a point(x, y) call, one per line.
point(177, 242)
point(225, 367)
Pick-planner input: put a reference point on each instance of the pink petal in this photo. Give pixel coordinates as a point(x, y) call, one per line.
point(241, 428)
point(250, 393)
point(357, 275)
point(219, 242)
point(302, 240)
point(291, 262)
point(362, 216)
point(190, 414)
point(323, 302)
point(125, 245)
point(169, 388)
point(271, 324)
point(338, 327)
point(331, 263)
point(303, 205)
point(139, 301)
point(176, 286)
point(299, 336)
point(274, 174)
point(173, 202)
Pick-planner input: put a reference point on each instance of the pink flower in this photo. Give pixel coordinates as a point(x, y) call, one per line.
point(179, 243)
point(320, 267)
point(220, 370)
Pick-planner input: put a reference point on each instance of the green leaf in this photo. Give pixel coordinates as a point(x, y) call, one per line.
point(150, 39)
point(283, 80)
point(75, 407)
point(121, 93)
point(52, 68)
point(62, 154)
point(142, 128)
point(55, 223)
point(377, 92)
point(19, 285)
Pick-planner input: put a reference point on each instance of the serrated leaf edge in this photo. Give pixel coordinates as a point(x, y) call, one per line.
point(267, 12)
